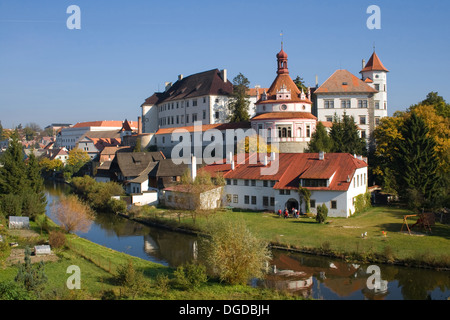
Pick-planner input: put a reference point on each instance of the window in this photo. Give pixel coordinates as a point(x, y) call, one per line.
point(194, 117)
point(329, 118)
point(235, 182)
point(229, 182)
point(204, 99)
point(287, 192)
point(363, 134)
point(272, 183)
point(377, 104)
point(265, 201)
point(346, 104)
point(362, 119)
point(253, 199)
point(247, 199)
point(312, 203)
point(272, 201)
point(246, 183)
point(216, 115)
point(174, 178)
point(187, 103)
point(253, 183)
point(187, 118)
point(217, 100)
point(235, 198)
point(194, 102)
point(284, 132)
point(377, 86)
point(265, 184)
point(281, 191)
point(204, 114)
point(362, 103)
point(308, 131)
point(334, 204)
point(314, 183)
point(328, 104)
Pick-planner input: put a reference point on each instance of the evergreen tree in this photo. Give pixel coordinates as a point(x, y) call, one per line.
point(35, 200)
point(31, 277)
point(13, 177)
point(416, 165)
point(345, 136)
point(320, 140)
point(239, 102)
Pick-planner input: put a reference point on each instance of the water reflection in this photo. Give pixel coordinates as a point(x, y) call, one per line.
point(323, 278)
point(306, 275)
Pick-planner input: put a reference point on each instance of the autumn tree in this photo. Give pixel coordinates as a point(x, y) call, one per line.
point(77, 159)
point(239, 101)
point(73, 214)
point(232, 253)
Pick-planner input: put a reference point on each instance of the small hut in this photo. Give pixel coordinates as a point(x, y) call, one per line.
point(19, 222)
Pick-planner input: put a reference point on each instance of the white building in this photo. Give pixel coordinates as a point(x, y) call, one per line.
point(334, 179)
point(364, 99)
point(69, 137)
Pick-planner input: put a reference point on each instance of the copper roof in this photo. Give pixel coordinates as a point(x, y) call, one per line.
point(374, 64)
point(343, 81)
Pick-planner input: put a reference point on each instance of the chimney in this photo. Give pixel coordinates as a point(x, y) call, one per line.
point(193, 167)
point(167, 85)
point(265, 160)
point(139, 125)
point(272, 156)
point(230, 157)
point(232, 165)
point(180, 77)
point(363, 63)
point(317, 81)
point(223, 74)
point(321, 155)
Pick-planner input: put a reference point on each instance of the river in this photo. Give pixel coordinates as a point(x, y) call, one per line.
point(306, 275)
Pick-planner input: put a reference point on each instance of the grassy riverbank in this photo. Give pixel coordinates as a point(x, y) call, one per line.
point(339, 237)
point(99, 269)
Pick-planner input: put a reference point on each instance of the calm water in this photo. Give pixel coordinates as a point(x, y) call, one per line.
point(306, 275)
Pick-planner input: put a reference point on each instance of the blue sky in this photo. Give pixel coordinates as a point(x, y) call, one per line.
point(126, 50)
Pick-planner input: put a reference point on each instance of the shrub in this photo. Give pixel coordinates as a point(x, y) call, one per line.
point(232, 252)
point(190, 275)
point(57, 239)
point(322, 213)
point(132, 280)
point(117, 206)
point(14, 291)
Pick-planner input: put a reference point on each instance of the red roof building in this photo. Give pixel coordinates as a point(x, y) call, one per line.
point(261, 182)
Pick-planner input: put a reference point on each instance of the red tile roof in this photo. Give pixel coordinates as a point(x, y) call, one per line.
point(284, 115)
point(283, 81)
point(103, 123)
point(374, 64)
point(295, 166)
point(205, 127)
point(344, 81)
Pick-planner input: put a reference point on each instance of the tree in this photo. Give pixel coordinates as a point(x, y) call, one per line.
point(77, 159)
point(417, 165)
point(36, 184)
point(306, 194)
point(345, 136)
point(239, 101)
point(73, 214)
point(441, 107)
point(232, 252)
point(138, 146)
point(301, 84)
point(32, 277)
point(13, 172)
point(320, 140)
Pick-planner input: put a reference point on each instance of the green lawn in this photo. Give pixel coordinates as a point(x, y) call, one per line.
point(343, 235)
